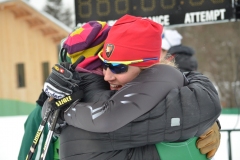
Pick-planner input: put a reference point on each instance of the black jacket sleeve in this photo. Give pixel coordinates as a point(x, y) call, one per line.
point(133, 100)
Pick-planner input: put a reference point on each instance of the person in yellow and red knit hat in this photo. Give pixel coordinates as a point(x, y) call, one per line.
point(92, 38)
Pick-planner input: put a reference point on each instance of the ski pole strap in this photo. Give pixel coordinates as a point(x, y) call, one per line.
point(64, 103)
point(49, 136)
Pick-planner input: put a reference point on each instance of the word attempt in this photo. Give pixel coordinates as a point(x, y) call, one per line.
point(205, 16)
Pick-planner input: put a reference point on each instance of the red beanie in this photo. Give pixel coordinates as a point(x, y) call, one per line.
point(133, 38)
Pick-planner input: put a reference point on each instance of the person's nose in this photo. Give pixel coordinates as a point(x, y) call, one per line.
point(108, 75)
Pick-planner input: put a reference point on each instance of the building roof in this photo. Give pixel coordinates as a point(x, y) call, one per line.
point(42, 21)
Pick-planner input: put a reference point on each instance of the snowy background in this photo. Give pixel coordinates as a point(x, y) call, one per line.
point(39, 4)
point(12, 130)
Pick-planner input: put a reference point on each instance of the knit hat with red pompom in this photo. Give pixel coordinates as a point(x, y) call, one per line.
point(134, 38)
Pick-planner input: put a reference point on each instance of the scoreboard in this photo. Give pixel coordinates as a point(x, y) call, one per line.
point(167, 12)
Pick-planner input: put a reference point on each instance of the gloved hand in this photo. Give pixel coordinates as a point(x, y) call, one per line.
point(62, 105)
point(59, 124)
point(63, 81)
point(209, 142)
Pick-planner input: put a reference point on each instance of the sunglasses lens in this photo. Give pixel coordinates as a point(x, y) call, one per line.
point(120, 68)
point(116, 68)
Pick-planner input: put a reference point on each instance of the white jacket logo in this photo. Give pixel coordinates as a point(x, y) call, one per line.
point(97, 112)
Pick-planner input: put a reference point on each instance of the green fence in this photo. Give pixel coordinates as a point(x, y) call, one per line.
point(231, 110)
point(14, 107)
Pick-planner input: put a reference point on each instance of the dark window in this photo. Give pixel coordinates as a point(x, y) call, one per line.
point(45, 69)
point(21, 75)
point(58, 52)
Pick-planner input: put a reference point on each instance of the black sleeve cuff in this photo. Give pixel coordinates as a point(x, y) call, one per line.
point(42, 98)
point(218, 123)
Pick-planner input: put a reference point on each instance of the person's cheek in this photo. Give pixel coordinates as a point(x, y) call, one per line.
point(108, 75)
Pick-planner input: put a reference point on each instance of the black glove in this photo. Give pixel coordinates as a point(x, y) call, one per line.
point(63, 81)
point(62, 104)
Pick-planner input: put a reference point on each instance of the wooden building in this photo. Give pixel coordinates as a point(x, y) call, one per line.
point(29, 41)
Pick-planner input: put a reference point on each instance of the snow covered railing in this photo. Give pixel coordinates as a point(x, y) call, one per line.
point(229, 140)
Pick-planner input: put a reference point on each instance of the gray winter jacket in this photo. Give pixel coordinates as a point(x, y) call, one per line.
point(166, 111)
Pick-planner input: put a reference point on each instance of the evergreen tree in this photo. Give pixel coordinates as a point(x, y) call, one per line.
point(56, 9)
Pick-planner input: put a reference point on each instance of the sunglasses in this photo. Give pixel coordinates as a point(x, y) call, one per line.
point(118, 67)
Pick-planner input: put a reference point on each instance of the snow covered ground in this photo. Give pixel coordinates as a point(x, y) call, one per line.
point(12, 131)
